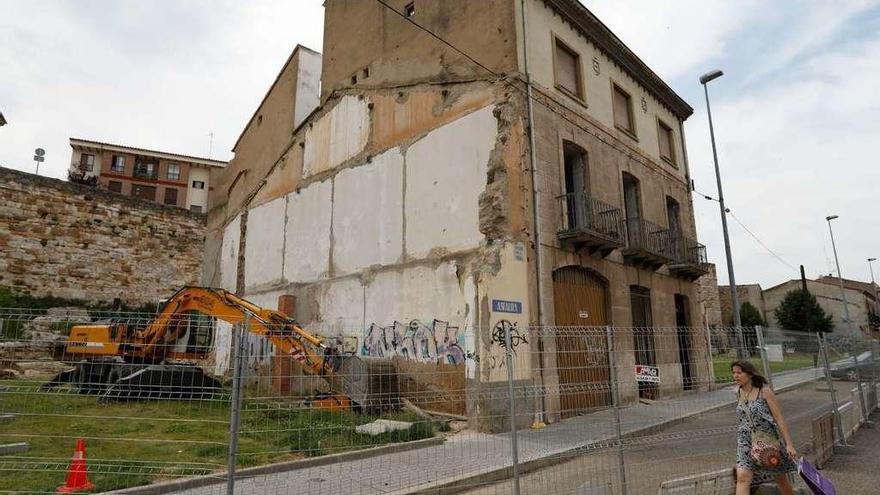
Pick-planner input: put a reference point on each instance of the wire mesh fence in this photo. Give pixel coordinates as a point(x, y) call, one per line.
point(189, 397)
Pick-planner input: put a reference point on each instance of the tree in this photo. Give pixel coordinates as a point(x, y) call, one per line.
point(799, 311)
point(750, 318)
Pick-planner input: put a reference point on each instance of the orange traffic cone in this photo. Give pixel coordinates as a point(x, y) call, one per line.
point(77, 479)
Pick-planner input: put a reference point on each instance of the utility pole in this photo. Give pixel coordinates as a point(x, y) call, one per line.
point(734, 297)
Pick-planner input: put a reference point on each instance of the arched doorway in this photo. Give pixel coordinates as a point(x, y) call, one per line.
point(581, 300)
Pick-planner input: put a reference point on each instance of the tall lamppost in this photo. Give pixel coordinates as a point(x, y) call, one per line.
point(839, 275)
point(873, 284)
point(734, 297)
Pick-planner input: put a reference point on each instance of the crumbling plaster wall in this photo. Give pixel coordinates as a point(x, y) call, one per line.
point(389, 51)
point(392, 205)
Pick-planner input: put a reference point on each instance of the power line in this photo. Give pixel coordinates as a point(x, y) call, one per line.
point(755, 237)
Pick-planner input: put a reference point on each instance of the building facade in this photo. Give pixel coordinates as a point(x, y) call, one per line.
point(860, 300)
point(434, 192)
point(165, 178)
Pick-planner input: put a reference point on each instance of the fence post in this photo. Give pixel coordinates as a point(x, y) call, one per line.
point(759, 333)
point(837, 419)
point(862, 405)
point(238, 335)
point(615, 403)
point(514, 447)
point(710, 359)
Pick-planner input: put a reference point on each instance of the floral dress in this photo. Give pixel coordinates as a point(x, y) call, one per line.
point(761, 420)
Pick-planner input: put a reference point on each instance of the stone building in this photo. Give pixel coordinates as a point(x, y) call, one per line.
point(861, 302)
point(411, 209)
point(751, 293)
point(165, 178)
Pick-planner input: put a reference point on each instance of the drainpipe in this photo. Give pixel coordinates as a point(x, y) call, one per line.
point(541, 409)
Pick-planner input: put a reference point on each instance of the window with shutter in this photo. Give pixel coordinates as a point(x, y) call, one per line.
point(623, 118)
point(667, 145)
point(568, 76)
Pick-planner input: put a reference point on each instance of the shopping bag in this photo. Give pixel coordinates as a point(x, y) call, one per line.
point(819, 484)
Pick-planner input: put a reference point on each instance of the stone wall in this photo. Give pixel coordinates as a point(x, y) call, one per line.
point(707, 296)
point(71, 241)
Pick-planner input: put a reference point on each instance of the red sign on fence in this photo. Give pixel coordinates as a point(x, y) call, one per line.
point(647, 374)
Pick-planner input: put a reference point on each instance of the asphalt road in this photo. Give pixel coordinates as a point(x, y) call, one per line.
point(698, 445)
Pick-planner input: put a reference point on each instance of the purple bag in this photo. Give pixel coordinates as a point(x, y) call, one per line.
point(819, 484)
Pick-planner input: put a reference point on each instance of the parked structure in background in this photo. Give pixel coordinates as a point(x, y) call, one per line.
point(165, 178)
point(415, 205)
point(864, 307)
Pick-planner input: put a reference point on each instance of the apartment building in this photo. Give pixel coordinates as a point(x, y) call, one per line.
point(165, 178)
point(528, 171)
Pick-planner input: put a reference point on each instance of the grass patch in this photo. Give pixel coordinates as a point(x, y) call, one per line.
point(721, 365)
point(136, 443)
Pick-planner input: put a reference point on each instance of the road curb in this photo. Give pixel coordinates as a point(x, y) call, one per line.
point(278, 467)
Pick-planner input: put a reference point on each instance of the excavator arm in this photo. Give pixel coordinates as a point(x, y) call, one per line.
point(288, 337)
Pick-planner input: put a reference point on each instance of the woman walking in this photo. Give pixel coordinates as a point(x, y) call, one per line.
point(763, 442)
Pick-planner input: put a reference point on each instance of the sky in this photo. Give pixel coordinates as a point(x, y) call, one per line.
point(796, 113)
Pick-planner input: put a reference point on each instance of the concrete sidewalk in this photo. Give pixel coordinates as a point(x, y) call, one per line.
point(470, 458)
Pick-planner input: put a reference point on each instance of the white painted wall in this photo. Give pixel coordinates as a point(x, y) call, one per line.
point(229, 254)
point(422, 292)
point(368, 214)
point(264, 248)
point(308, 86)
point(445, 174)
point(337, 136)
point(198, 197)
point(307, 245)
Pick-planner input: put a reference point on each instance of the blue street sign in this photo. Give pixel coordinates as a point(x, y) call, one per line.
point(500, 306)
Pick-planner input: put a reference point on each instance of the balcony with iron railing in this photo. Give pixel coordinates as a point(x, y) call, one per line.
point(647, 243)
point(590, 223)
point(689, 258)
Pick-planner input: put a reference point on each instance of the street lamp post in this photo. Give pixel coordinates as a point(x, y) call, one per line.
point(734, 297)
point(873, 284)
point(839, 275)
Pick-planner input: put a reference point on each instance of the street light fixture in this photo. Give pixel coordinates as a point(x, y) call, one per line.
point(839, 275)
point(734, 297)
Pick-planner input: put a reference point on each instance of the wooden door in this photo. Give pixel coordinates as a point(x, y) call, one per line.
point(580, 298)
point(683, 324)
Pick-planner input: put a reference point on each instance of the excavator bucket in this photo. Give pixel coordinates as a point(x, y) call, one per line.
point(369, 383)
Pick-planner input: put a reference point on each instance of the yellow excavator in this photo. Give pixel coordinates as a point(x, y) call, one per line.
point(157, 357)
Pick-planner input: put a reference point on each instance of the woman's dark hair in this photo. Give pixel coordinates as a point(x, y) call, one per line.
point(748, 368)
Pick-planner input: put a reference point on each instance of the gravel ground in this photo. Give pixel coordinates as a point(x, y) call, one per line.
point(698, 445)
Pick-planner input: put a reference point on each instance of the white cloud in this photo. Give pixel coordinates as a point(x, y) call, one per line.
point(156, 75)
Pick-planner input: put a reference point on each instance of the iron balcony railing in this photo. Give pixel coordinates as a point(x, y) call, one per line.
point(688, 251)
point(649, 237)
point(583, 213)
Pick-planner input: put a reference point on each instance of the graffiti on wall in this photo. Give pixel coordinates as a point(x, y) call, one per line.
point(499, 335)
point(434, 343)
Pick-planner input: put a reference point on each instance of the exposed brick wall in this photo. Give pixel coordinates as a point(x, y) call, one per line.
point(72, 241)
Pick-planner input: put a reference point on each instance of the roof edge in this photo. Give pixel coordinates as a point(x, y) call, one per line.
point(616, 50)
point(122, 147)
point(296, 49)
